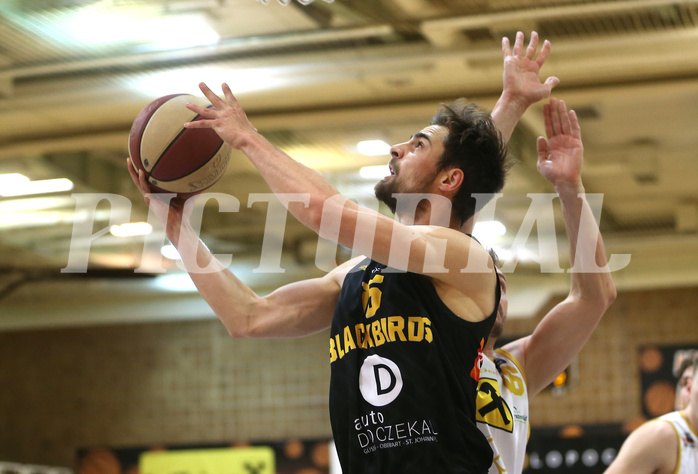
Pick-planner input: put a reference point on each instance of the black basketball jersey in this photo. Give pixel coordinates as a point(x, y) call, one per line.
point(404, 377)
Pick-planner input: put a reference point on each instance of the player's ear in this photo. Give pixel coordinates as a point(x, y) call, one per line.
point(451, 179)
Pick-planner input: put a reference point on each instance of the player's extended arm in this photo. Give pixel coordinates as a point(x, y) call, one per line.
point(447, 251)
point(521, 83)
point(298, 309)
point(559, 337)
point(649, 449)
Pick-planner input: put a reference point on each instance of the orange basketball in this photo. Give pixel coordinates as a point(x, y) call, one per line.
point(176, 159)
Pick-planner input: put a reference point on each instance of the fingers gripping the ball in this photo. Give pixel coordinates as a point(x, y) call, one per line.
point(226, 117)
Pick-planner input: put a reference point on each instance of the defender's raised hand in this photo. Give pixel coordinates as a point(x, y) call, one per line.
point(560, 157)
point(226, 117)
point(522, 68)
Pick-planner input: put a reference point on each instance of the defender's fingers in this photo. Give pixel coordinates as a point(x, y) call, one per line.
point(551, 82)
point(532, 45)
point(506, 47)
point(555, 116)
point(542, 146)
point(575, 129)
point(564, 118)
point(547, 119)
point(518, 44)
point(544, 52)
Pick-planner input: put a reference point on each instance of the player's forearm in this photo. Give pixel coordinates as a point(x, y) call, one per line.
point(231, 300)
point(284, 175)
point(591, 280)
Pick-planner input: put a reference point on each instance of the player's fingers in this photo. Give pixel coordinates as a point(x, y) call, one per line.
point(229, 97)
point(207, 112)
point(544, 52)
point(199, 124)
point(132, 170)
point(216, 101)
point(532, 45)
point(506, 47)
point(518, 44)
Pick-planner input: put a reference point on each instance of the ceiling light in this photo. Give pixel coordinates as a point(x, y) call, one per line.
point(175, 282)
point(487, 231)
point(22, 188)
point(374, 172)
point(186, 80)
point(131, 229)
point(12, 180)
point(373, 147)
point(170, 251)
point(35, 204)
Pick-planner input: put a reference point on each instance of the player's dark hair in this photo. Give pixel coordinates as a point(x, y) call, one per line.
point(474, 145)
point(686, 362)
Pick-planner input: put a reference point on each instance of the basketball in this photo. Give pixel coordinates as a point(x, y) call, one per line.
point(176, 159)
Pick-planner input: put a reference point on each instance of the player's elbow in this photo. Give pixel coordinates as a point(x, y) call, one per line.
point(239, 323)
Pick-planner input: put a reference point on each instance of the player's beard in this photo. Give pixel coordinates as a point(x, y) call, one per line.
point(384, 190)
point(388, 186)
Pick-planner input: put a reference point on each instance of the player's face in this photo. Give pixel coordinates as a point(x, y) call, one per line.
point(684, 388)
point(413, 165)
point(498, 326)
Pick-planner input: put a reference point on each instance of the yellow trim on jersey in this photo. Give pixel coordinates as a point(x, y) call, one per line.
point(690, 427)
point(515, 362)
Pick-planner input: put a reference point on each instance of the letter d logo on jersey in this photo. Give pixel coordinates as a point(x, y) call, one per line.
point(380, 380)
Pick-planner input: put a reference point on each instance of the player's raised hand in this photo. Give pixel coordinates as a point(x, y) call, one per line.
point(226, 117)
point(522, 69)
point(560, 157)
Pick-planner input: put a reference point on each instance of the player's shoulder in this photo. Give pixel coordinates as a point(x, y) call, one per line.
point(654, 431)
point(339, 273)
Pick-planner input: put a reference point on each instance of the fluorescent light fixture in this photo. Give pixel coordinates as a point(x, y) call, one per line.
point(186, 80)
point(373, 147)
point(43, 186)
point(31, 219)
point(175, 282)
point(12, 180)
point(131, 229)
point(486, 231)
point(374, 172)
point(167, 33)
point(170, 251)
point(103, 24)
point(35, 204)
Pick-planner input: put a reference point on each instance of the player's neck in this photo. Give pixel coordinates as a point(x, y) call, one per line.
point(691, 415)
point(489, 347)
point(437, 211)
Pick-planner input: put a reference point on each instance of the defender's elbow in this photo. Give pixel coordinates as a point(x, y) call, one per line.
point(610, 295)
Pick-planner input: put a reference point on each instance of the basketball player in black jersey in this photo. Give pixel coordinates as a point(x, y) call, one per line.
point(409, 320)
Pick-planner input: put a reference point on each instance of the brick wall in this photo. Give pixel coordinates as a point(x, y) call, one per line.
point(189, 382)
